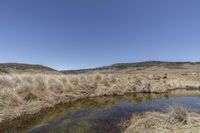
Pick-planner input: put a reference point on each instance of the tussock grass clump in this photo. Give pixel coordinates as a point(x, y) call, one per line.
point(179, 114)
point(177, 120)
point(21, 92)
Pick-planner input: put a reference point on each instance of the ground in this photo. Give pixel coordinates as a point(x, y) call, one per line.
point(23, 91)
point(178, 120)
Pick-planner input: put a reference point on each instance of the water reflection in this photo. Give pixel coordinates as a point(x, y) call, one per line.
point(103, 114)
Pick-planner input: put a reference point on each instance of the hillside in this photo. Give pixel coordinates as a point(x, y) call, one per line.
point(115, 68)
point(138, 66)
point(22, 68)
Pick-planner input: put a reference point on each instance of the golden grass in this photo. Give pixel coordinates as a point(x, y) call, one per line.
point(178, 120)
point(29, 93)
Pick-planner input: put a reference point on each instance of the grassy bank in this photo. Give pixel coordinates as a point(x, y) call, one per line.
point(177, 120)
point(22, 94)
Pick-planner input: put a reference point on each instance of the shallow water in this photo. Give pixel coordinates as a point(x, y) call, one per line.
point(103, 115)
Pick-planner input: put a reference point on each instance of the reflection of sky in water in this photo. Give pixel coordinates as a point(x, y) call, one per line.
point(106, 118)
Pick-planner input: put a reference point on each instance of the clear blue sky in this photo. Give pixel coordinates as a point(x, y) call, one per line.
point(72, 34)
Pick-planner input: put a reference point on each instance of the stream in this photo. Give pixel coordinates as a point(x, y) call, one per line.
point(103, 114)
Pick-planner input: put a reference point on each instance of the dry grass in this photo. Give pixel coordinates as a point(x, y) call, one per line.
point(29, 93)
point(179, 114)
point(178, 120)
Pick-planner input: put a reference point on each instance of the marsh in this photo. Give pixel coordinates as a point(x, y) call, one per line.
point(103, 114)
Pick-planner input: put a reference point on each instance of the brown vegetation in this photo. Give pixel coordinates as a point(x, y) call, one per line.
point(28, 93)
point(22, 68)
point(178, 120)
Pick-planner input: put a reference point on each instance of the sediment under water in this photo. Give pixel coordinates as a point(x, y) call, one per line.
point(103, 114)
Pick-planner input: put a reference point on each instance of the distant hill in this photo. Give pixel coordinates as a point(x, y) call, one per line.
point(115, 68)
point(135, 66)
point(21, 68)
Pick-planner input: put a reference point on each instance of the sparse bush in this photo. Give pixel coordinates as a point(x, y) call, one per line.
point(74, 80)
point(55, 85)
point(105, 81)
point(68, 88)
point(111, 78)
point(82, 79)
point(6, 82)
point(98, 77)
point(10, 99)
point(179, 114)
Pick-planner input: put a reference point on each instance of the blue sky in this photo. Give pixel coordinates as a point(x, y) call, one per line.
point(73, 34)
